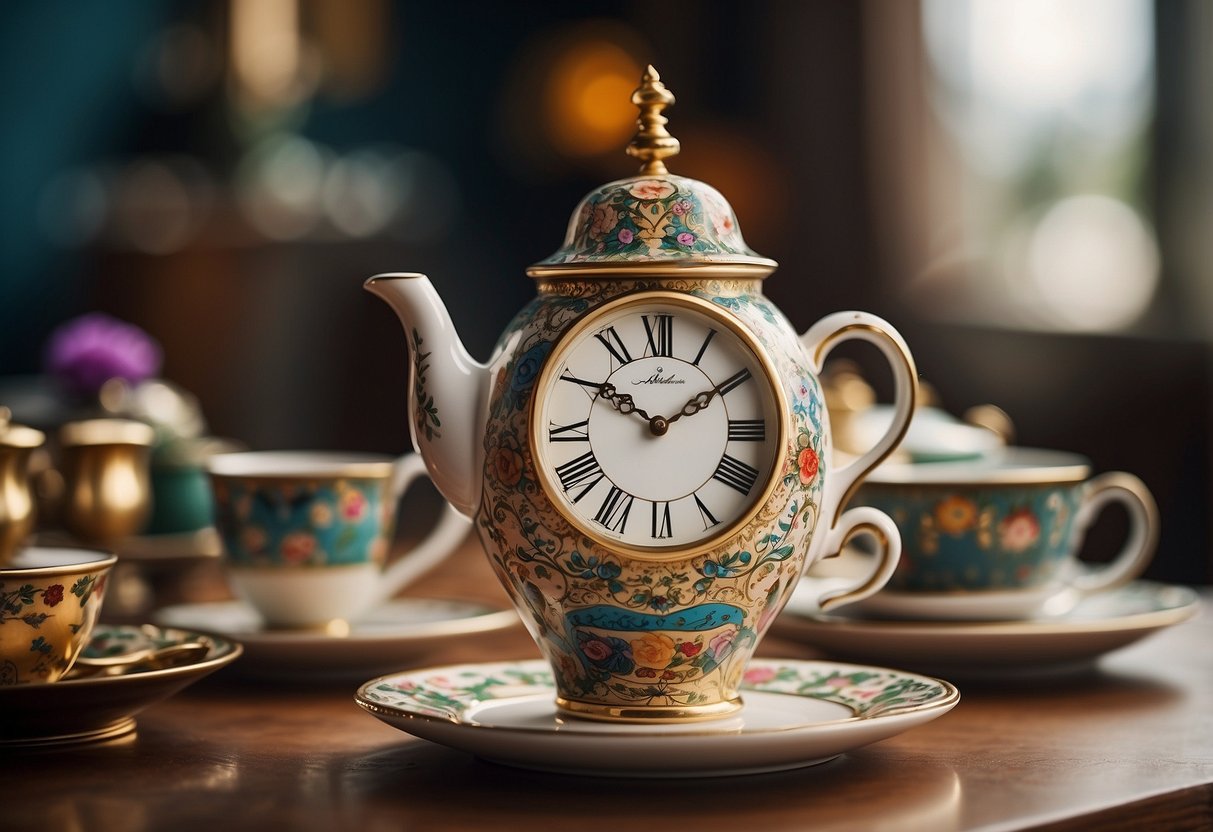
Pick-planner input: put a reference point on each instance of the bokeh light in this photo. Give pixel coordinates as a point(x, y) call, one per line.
point(587, 97)
point(1093, 263)
point(280, 185)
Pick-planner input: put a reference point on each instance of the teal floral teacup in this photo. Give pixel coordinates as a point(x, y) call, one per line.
point(999, 537)
point(307, 534)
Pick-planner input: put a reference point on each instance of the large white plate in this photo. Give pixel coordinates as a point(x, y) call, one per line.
point(1096, 625)
point(795, 714)
point(392, 636)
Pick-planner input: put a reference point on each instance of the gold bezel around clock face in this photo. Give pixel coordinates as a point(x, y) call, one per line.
point(657, 426)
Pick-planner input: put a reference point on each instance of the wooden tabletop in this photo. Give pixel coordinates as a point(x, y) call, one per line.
point(1127, 746)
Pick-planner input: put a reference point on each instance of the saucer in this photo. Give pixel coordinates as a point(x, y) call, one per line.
point(87, 709)
point(795, 714)
point(389, 637)
point(968, 606)
point(1095, 625)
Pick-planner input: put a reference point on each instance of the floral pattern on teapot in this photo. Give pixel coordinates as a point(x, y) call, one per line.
point(651, 220)
point(626, 631)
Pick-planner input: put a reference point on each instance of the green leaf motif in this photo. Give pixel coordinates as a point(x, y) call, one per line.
point(425, 417)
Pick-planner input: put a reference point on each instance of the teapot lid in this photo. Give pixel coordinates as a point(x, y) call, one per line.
point(655, 221)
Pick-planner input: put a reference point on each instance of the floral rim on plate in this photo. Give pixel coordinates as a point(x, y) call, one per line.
point(450, 693)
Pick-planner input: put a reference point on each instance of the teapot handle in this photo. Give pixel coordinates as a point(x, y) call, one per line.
point(863, 520)
point(818, 341)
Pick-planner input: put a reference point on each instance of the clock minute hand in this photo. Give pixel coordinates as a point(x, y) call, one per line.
point(695, 404)
point(659, 424)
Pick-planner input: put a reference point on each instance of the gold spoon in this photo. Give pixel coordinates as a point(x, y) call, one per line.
point(152, 658)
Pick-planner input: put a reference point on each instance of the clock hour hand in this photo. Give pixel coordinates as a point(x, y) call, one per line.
point(622, 401)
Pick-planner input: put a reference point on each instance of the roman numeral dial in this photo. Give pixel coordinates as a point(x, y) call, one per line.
point(656, 424)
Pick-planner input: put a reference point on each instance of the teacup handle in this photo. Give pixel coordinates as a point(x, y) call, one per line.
point(818, 341)
point(1117, 486)
point(881, 528)
point(450, 531)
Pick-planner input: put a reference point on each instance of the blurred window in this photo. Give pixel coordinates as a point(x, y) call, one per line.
point(1039, 117)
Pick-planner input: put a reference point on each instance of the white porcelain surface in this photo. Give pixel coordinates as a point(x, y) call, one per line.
point(934, 435)
point(90, 709)
point(458, 385)
point(1096, 625)
point(303, 597)
point(968, 606)
point(998, 465)
point(796, 714)
point(391, 636)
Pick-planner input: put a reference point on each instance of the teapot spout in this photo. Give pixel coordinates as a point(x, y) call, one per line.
point(448, 389)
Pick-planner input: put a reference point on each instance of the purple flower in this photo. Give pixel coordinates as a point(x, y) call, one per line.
point(626, 236)
point(88, 351)
point(686, 238)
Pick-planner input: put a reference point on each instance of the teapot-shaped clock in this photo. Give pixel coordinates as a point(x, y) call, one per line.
point(647, 456)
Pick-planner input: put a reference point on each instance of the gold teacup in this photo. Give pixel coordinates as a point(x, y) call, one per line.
point(49, 601)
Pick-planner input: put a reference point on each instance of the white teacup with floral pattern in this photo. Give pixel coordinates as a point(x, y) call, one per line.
point(999, 537)
point(307, 534)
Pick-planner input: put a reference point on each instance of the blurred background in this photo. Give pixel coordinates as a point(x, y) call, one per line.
point(1024, 189)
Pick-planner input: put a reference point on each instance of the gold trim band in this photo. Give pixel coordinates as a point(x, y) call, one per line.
point(754, 269)
point(648, 714)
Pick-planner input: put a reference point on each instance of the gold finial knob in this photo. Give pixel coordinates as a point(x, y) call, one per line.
point(652, 142)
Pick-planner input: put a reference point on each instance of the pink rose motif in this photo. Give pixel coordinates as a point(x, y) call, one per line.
point(1019, 530)
point(686, 238)
point(681, 207)
point(53, 595)
point(626, 236)
point(298, 547)
point(651, 189)
point(353, 505)
point(759, 675)
point(721, 644)
point(595, 649)
point(724, 224)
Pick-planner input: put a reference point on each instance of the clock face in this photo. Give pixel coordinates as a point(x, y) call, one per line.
point(656, 424)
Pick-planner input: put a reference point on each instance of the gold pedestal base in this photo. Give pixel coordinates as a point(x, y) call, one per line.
point(647, 714)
